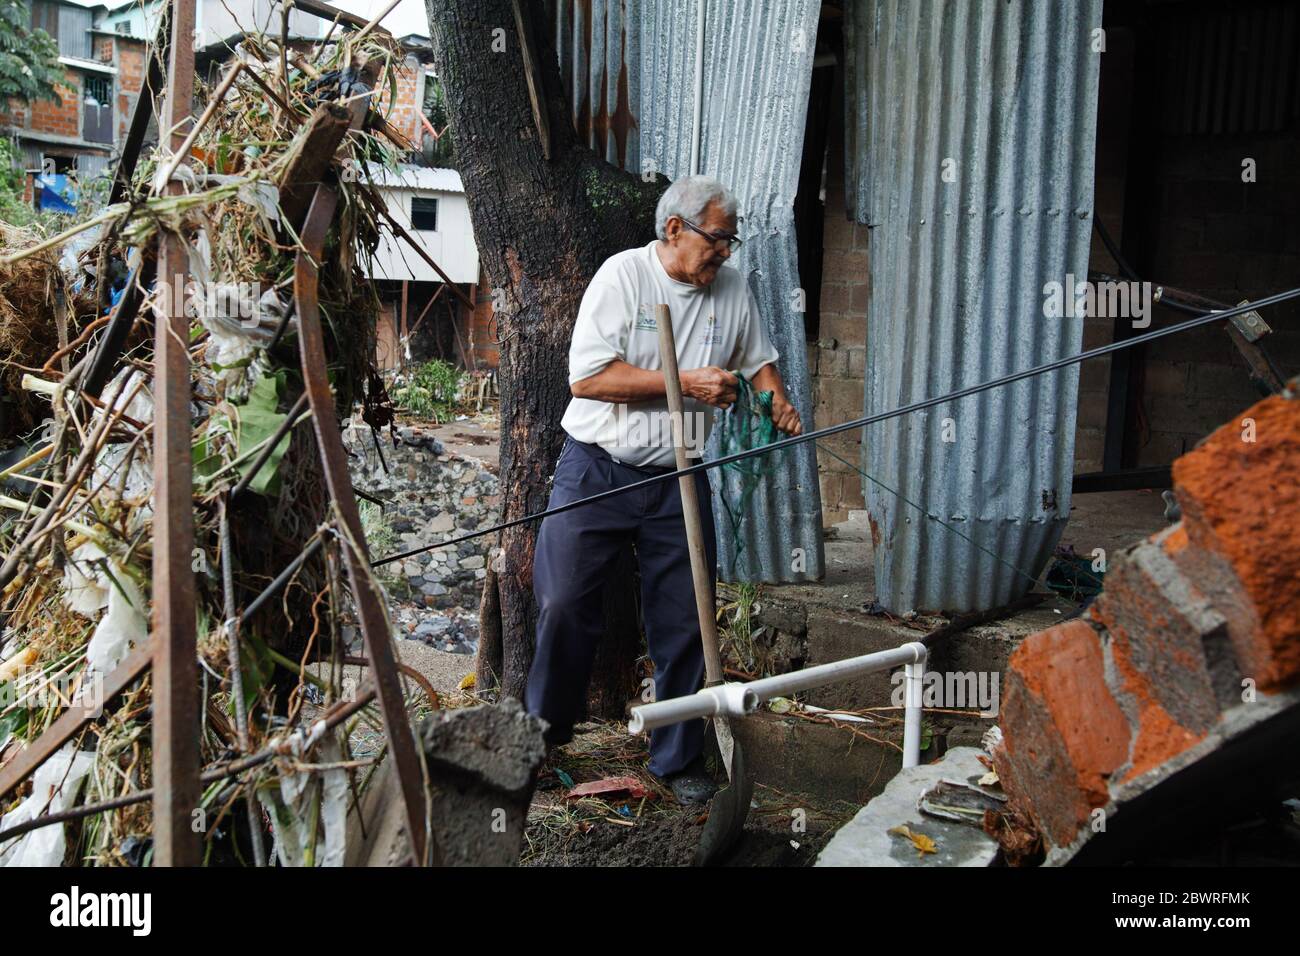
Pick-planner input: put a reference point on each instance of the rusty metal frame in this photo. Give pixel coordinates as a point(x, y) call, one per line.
point(177, 712)
point(374, 624)
point(172, 650)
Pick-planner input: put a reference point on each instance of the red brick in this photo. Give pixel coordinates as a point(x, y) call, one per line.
point(1064, 734)
point(1241, 502)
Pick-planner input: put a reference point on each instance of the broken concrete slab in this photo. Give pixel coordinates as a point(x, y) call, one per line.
point(482, 764)
point(866, 841)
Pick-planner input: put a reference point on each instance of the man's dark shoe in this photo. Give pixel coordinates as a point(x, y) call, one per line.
point(692, 785)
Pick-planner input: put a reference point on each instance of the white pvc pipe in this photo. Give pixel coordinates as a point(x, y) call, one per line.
point(698, 108)
point(721, 700)
point(741, 700)
point(913, 682)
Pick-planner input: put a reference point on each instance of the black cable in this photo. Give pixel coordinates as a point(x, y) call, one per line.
point(1113, 249)
point(863, 422)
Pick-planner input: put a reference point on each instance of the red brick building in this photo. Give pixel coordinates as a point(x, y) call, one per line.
point(103, 50)
point(103, 72)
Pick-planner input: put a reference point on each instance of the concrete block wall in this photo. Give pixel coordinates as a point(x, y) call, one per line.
point(837, 360)
point(1195, 623)
point(1228, 240)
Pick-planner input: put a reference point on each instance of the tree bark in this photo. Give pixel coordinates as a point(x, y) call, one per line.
point(542, 229)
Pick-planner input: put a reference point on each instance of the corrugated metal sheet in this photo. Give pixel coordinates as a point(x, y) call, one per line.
point(629, 66)
point(595, 43)
point(407, 176)
point(1006, 89)
point(74, 32)
point(93, 166)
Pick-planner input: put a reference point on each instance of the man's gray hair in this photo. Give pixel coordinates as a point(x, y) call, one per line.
point(687, 198)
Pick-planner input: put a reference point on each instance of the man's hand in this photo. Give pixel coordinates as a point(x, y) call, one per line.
point(711, 385)
point(785, 417)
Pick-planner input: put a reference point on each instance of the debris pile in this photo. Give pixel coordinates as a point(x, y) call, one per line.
point(1160, 704)
point(269, 199)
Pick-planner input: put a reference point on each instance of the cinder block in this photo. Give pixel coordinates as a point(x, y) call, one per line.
point(844, 266)
point(1166, 378)
point(860, 298)
point(837, 234)
point(845, 329)
point(834, 637)
point(835, 297)
point(1162, 447)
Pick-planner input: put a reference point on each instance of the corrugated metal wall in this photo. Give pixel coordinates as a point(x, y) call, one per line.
point(74, 32)
point(1006, 90)
point(628, 66)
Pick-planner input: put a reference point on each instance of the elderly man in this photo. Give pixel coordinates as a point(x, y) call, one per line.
point(619, 432)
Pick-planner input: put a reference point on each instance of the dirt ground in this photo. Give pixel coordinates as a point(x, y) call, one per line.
point(654, 830)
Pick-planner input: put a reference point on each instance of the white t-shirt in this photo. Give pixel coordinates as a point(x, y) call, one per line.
point(717, 324)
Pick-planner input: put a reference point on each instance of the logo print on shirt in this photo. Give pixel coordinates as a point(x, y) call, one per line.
point(645, 319)
point(712, 334)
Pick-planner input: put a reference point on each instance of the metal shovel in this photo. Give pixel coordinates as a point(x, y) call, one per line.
point(730, 806)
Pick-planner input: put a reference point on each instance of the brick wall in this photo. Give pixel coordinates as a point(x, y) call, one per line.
point(837, 360)
point(130, 80)
point(404, 111)
point(61, 117)
point(1197, 627)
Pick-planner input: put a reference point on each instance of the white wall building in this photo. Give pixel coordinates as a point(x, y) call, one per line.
point(431, 205)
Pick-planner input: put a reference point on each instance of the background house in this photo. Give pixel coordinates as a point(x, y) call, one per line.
point(77, 140)
point(422, 318)
point(103, 70)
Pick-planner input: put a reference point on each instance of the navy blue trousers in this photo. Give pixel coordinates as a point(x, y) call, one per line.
point(574, 557)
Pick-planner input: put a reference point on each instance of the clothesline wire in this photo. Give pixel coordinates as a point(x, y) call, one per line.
point(791, 441)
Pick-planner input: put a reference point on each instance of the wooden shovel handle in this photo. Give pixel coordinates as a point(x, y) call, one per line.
point(690, 503)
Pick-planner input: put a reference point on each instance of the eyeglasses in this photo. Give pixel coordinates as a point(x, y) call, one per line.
point(732, 240)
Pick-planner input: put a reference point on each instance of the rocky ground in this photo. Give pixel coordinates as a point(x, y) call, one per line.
point(430, 494)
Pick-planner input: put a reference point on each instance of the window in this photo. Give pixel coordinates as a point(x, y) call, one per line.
point(424, 213)
point(98, 90)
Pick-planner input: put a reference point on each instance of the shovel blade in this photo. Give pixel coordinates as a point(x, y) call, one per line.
point(729, 809)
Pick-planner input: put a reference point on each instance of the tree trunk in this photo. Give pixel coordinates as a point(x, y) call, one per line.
point(542, 229)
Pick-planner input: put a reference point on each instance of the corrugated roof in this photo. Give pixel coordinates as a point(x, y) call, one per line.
point(416, 178)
